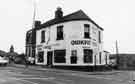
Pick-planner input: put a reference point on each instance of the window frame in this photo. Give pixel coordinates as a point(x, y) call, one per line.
point(99, 36)
point(88, 57)
point(58, 58)
point(60, 34)
point(87, 31)
point(106, 58)
point(100, 57)
point(42, 36)
point(40, 53)
point(73, 58)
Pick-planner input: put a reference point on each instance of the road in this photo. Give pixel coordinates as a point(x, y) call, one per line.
point(14, 75)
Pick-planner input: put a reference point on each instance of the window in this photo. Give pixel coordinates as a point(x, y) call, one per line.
point(106, 58)
point(88, 58)
point(42, 36)
point(100, 55)
point(94, 32)
point(33, 52)
point(59, 33)
point(29, 53)
point(99, 33)
point(86, 31)
point(40, 57)
point(29, 37)
point(73, 56)
point(59, 56)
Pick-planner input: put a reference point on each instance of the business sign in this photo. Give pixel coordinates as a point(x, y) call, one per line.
point(80, 42)
point(40, 47)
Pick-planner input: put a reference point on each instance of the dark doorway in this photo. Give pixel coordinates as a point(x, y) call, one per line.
point(49, 58)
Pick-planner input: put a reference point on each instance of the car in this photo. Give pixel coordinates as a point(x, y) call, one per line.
point(3, 61)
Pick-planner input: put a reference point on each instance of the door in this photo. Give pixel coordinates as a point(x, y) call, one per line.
point(49, 58)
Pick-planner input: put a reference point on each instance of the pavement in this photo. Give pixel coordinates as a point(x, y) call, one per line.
point(35, 67)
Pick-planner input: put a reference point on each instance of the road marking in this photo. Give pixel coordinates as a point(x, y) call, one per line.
point(49, 78)
point(2, 80)
point(17, 79)
point(28, 82)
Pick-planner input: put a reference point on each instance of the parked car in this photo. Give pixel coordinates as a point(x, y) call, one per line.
point(3, 61)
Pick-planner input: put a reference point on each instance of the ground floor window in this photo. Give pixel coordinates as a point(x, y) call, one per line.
point(29, 51)
point(106, 59)
point(59, 56)
point(73, 57)
point(33, 53)
point(100, 57)
point(88, 58)
point(40, 57)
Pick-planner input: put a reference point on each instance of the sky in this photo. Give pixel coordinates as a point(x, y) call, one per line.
point(117, 17)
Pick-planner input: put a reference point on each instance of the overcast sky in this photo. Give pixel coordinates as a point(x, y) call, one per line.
point(117, 17)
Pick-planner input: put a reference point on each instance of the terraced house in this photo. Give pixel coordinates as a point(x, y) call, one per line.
point(71, 40)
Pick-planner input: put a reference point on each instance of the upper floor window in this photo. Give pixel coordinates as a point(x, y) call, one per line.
point(86, 31)
point(42, 36)
point(94, 34)
point(99, 33)
point(59, 33)
point(29, 38)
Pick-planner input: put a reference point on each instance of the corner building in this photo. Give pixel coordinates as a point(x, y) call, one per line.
point(71, 40)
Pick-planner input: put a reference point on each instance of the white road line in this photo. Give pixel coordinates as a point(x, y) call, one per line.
point(49, 78)
point(28, 82)
point(17, 79)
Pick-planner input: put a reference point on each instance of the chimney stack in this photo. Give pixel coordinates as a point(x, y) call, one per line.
point(59, 13)
point(37, 24)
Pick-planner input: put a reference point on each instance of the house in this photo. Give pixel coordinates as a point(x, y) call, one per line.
point(71, 40)
point(123, 61)
point(12, 54)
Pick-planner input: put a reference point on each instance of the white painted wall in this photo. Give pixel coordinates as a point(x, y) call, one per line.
point(73, 30)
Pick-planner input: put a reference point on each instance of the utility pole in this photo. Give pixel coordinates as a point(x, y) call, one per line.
point(34, 13)
point(117, 55)
point(32, 53)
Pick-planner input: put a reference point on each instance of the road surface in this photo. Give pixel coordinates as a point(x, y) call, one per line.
point(14, 75)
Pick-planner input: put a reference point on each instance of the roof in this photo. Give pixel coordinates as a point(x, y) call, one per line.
point(78, 15)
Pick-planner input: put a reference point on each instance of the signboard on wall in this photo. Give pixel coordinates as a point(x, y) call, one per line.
point(80, 42)
point(41, 47)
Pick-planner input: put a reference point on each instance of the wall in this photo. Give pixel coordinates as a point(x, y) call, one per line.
point(73, 30)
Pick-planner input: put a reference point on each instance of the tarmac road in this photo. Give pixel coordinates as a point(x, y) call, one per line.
point(15, 75)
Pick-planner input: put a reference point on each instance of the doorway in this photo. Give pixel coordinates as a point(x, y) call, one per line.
point(49, 58)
